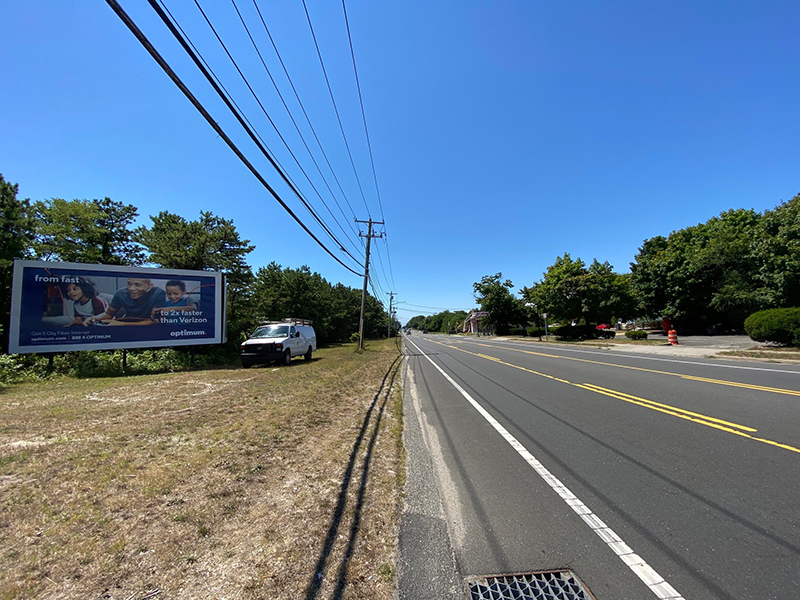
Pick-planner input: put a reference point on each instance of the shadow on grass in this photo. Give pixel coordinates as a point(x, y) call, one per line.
point(333, 529)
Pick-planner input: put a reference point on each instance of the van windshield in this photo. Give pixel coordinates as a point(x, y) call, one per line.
point(271, 331)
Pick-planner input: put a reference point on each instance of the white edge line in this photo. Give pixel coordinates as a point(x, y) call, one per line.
point(635, 563)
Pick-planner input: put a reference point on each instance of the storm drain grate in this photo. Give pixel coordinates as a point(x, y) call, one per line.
point(550, 585)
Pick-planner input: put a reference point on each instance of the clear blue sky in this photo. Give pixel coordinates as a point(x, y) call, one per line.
point(504, 133)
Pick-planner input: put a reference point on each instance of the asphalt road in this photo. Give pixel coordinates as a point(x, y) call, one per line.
point(649, 477)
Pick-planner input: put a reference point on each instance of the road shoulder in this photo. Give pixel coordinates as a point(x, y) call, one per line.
point(426, 560)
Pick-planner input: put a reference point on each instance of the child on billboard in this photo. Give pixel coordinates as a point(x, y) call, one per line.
point(86, 302)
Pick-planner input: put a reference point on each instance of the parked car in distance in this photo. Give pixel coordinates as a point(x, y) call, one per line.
point(279, 341)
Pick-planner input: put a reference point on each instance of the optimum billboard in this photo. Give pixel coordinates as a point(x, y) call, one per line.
point(57, 307)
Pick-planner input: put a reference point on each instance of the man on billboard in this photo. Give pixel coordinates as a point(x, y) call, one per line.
point(134, 304)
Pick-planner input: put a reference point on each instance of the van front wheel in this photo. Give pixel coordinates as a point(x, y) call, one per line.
point(287, 357)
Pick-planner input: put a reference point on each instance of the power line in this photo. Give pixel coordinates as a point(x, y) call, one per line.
point(200, 62)
point(380, 262)
point(432, 307)
point(389, 259)
point(363, 114)
point(196, 103)
point(416, 312)
point(302, 107)
point(335, 108)
point(285, 176)
point(369, 144)
point(297, 128)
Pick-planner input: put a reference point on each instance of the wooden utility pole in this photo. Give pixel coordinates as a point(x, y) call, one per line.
point(369, 237)
point(389, 326)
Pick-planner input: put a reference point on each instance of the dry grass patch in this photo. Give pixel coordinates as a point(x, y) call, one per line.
point(231, 483)
point(771, 353)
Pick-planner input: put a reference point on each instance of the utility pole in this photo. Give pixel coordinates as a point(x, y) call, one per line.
point(389, 326)
point(369, 237)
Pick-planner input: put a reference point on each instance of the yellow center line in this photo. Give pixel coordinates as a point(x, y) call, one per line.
point(691, 377)
point(750, 386)
point(636, 399)
point(674, 411)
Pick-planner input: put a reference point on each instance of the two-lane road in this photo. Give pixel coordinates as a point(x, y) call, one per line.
point(649, 477)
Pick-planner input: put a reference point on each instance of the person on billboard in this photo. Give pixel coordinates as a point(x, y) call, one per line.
point(177, 298)
point(134, 304)
point(86, 303)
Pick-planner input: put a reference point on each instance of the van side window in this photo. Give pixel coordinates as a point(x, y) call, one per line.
point(291, 331)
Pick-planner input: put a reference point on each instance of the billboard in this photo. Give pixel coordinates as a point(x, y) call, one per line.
point(58, 307)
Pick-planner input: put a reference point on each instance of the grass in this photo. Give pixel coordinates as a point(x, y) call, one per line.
point(773, 353)
point(260, 483)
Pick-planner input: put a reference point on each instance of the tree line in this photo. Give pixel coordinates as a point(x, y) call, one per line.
point(101, 231)
point(705, 278)
point(440, 322)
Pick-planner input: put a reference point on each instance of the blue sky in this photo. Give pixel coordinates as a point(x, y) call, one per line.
point(503, 133)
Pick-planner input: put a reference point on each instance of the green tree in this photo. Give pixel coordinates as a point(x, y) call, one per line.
point(280, 293)
point(494, 296)
point(86, 231)
point(776, 254)
point(416, 322)
point(706, 275)
point(16, 235)
point(209, 244)
point(571, 291)
point(550, 295)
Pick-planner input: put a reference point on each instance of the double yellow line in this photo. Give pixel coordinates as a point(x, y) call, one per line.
point(760, 388)
point(720, 424)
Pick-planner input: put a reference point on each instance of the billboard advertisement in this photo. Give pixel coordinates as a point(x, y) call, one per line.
point(58, 307)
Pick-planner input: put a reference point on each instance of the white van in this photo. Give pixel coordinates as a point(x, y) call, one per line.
point(279, 341)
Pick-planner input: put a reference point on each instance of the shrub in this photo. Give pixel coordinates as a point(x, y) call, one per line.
point(777, 325)
point(536, 332)
point(15, 368)
point(636, 335)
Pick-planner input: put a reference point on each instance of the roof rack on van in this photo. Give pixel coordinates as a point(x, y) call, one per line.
point(291, 320)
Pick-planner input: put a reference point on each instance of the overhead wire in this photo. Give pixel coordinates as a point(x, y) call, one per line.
point(432, 307)
point(297, 128)
point(428, 313)
point(303, 108)
point(366, 134)
point(383, 271)
point(282, 172)
point(140, 36)
point(335, 108)
point(208, 72)
point(363, 113)
point(378, 297)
